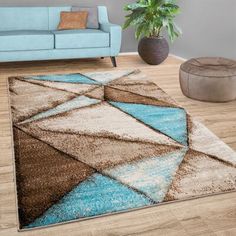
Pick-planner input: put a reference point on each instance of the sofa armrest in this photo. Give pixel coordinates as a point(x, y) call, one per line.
point(115, 31)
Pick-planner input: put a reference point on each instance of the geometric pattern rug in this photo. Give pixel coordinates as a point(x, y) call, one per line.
point(98, 143)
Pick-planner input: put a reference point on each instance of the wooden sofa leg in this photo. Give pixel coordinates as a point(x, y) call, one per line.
point(113, 60)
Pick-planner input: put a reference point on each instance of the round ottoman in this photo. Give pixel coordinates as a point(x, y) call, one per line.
point(209, 79)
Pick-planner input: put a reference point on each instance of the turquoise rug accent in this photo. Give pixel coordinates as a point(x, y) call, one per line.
point(70, 78)
point(85, 201)
point(170, 121)
point(143, 175)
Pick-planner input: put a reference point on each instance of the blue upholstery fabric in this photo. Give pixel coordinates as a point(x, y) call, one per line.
point(23, 18)
point(54, 54)
point(27, 33)
point(26, 40)
point(85, 38)
point(115, 32)
point(54, 16)
point(102, 15)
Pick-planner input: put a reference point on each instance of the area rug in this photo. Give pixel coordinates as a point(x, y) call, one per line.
point(93, 144)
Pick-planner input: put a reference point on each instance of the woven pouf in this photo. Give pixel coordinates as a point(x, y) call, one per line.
point(211, 79)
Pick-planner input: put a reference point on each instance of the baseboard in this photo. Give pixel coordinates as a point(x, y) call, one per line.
point(128, 53)
point(136, 53)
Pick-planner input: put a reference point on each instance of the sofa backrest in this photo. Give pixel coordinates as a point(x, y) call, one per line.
point(30, 18)
point(37, 18)
point(23, 18)
point(54, 16)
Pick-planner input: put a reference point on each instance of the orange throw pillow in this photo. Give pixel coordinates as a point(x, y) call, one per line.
point(73, 20)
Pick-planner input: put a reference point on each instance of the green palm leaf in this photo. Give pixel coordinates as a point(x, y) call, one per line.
point(149, 17)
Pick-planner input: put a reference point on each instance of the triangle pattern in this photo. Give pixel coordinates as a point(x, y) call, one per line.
point(203, 140)
point(69, 87)
point(105, 77)
point(95, 196)
point(97, 151)
point(78, 102)
point(151, 176)
point(170, 121)
point(97, 93)
point(144, 88)
point(200, 174)
point(66, 78)
point(135, 77)
point(44, 175)
point(103, 120)
point(118, 95)
point(41, 98)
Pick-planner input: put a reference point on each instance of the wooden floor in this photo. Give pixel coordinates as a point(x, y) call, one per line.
point(214, 215)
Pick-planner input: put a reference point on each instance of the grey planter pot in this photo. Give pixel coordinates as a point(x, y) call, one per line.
point(153, 50)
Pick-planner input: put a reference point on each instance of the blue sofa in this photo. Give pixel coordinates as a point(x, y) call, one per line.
point(30, 33)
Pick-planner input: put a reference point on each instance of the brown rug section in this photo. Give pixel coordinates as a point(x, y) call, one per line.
point(28, 99)
point(69, 87)
point(200, 174)
point(136, 77)
point(99, 152)
point(189, 125)
point(118, 95)
point(150, 90)
point(97, 93)
point(44, 175)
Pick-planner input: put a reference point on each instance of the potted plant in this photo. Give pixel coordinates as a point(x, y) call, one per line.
point(149, 17)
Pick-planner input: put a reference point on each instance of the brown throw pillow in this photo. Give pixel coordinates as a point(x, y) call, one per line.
point(92, 22)
point(73, 20)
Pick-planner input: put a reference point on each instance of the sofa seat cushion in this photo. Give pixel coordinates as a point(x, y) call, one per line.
point(82, 38)
point(22, 40)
